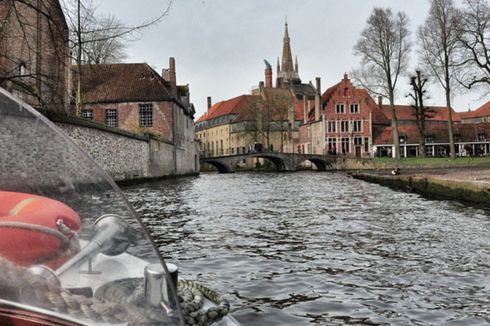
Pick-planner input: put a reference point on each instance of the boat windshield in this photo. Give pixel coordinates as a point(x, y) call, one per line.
point(72, 250)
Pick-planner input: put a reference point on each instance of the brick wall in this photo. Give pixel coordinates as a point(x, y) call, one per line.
point(128, 117)
point(30, 38)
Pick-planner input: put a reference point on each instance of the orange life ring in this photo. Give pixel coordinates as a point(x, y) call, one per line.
point(37, 230)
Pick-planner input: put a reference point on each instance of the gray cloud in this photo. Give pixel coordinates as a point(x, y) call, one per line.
point(219, 45)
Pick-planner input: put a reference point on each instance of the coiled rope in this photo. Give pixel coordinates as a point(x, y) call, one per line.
point(33, 289)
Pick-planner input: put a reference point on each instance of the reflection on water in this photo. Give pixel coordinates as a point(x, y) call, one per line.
point(303, 248)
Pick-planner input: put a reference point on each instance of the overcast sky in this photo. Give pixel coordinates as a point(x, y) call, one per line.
point(220, 45)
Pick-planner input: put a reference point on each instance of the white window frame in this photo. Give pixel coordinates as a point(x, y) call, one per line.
point(340, 108)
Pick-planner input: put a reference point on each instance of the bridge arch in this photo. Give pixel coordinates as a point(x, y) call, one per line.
point(320, 164)
point(221, 166)
point(278, 162)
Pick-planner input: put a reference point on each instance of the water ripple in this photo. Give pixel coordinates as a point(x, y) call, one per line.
point(322, 248)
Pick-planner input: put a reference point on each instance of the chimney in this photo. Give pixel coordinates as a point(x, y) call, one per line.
point(268, 77)
point(305, 109)
point(380, 101)
point(209, 102)
point(318, 99)
point(172, 76)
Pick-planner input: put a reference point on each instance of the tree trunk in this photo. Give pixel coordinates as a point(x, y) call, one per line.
point(450, 124)
point(79, 63)
point(394, 127)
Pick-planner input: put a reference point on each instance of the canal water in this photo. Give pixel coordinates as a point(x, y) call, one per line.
point(322, 248)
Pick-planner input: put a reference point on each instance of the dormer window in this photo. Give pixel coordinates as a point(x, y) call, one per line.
point(482, 136)
point(456, 138)
point(403, 139)
point(429, 139)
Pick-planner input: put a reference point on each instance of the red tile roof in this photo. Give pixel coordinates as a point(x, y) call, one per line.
point(227, 107)
point(482, 111)
point(115, 83)
point(407, 112)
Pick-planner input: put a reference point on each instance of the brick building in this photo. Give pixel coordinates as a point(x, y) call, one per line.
point(135, 98)
point(482, 114)
point(34, 53)
point(344, 124)
point(352, 124)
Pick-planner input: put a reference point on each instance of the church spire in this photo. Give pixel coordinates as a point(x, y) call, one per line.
point(287, 57)
point(288, 72)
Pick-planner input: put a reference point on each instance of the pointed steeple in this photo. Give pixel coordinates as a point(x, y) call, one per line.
point(287, 57)
point(287, 71)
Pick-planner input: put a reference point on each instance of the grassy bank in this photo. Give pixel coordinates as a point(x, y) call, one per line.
point(435, 161)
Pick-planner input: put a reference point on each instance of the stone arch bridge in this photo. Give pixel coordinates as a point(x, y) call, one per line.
point(284, 162)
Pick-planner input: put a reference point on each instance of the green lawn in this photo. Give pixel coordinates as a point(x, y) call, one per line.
point(460, 161)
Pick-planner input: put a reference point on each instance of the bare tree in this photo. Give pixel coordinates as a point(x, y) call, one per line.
point(474, 29)
point(440, 52)
point(384, 47)
point(280, 108)
point(418, 83)
point(95, 37)
point(256, 122)
point(33, 33)
point(271, 115)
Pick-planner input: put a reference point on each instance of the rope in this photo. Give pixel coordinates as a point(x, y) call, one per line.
point(33, 289)
point(38, 228)
point(191, 307)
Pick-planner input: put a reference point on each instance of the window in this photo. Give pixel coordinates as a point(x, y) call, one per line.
point(332, 146)
point(331, 126)
point(366, 144)
point(456, 138)
point(346, 92)
point(344, 126)
point(429, 150)
point(22, 70)
point(111, 118)
point(339, 108)
point(358, 141)
point(345, 145)
point(87, 114)
point(429, 139)
point(357, 126)
point(481, 136)
point(354, 108)
point(403, 139)
point(146, 115)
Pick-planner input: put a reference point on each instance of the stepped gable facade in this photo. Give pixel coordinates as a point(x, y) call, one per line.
point(343, 124)
point(34, 53)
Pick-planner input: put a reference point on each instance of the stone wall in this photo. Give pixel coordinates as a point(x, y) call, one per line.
point(126, 156)
point(120, 156)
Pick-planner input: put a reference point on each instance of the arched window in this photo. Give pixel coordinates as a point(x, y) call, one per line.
point(22, 70)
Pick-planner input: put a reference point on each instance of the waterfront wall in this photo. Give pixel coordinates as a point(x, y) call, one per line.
point(433, 187)
point(126, 156)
